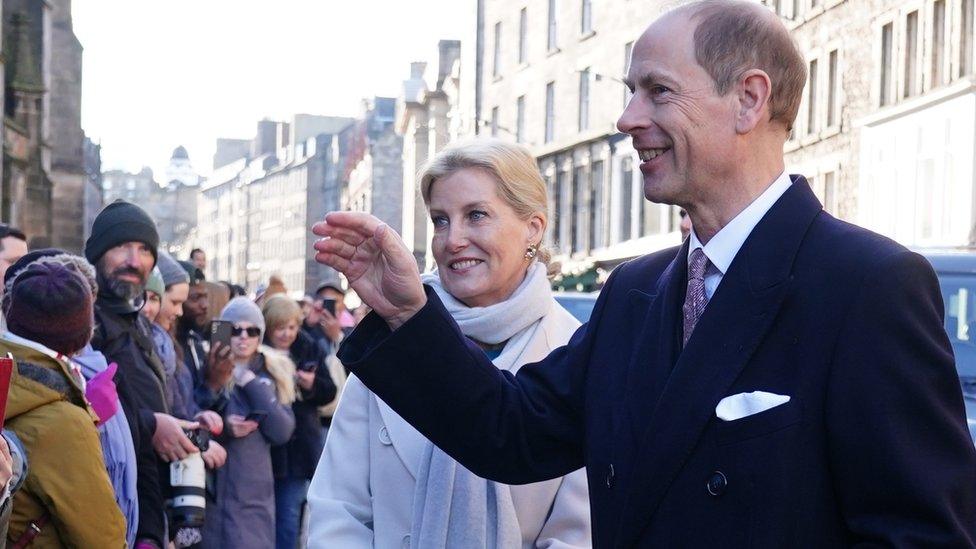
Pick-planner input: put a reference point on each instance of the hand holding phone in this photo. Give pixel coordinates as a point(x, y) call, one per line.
point(256, 416)
point(220, 332)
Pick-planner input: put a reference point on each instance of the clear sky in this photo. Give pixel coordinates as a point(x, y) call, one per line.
point(158, 74)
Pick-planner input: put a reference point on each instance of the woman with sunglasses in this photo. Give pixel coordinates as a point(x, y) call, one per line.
point(258, 415)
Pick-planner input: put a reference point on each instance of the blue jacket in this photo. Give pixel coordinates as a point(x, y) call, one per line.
point(871, 450)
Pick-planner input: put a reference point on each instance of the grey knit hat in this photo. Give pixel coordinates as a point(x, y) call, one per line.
point(242, 309)
point(172, 271)
point(155, 283)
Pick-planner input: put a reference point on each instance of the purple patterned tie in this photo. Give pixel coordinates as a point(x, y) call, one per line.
point(695, 298)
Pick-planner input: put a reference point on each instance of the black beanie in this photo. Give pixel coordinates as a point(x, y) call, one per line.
point(118, 223)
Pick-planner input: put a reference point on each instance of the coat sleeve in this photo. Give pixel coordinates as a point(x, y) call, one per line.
point(279, 424)
point(511, 429)
point(568, 524)
point(339, 498)
point(65, 463)
point(902, 461)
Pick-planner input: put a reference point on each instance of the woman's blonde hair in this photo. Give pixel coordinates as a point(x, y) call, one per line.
point(278, 310)
point(282, 370)
point(520, 184)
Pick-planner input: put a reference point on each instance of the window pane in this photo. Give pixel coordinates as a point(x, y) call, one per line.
point(496, 64)
point(584, 99)
point(911, 54)
point(550, 113)
point(552, 43)
point(887, 67)
point(598, 215)
point(966, 40)
point(586, 19)
point(520, 119)
point(832, 89)
point(523, 30)
point(938, 42)
point(626, 197)
point(812, 99)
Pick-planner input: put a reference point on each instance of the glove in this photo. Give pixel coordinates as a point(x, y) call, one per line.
point(102, 394)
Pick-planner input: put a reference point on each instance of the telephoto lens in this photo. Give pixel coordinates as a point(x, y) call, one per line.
point(187, 479)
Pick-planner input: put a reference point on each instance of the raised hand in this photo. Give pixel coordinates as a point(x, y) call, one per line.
point(376, 262)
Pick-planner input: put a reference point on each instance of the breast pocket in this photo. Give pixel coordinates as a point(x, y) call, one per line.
point(757, 425)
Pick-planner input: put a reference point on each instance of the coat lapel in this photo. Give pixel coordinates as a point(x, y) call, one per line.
point(737, 318)
point(657, 350)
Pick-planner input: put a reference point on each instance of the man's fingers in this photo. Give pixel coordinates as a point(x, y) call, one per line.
point(359, 222)
point(338, 263)
point(337, 247)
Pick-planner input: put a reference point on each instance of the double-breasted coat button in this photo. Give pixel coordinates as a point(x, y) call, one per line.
point(610, 476)
point(385, 436)
point(717, 484)
point(405, 543)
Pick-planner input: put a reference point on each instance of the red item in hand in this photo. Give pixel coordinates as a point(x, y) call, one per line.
point(102, 395)
point(6, 370)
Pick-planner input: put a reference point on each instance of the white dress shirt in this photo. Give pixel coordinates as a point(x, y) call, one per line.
point(723, 247)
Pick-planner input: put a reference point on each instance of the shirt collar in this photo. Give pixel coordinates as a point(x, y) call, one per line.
point(723, 247)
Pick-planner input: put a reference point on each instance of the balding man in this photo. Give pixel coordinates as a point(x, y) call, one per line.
point(782, 379)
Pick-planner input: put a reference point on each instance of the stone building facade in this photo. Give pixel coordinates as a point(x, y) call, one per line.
point(551, 79)
point(886, 130)
point(47, 160)
point(374, 181)
point(254, 212)
point(428, 118)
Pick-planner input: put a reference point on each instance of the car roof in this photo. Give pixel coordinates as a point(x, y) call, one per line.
point(961, 261)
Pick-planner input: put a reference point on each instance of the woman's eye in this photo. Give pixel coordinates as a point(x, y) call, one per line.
point(478, 214)
point(658, 90)
point(439, 221)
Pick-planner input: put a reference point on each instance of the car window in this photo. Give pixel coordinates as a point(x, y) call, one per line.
point(959, 295)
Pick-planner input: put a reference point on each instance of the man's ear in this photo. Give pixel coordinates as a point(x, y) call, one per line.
point(753, 92)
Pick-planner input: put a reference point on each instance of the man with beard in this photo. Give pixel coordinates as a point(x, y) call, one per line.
point(210, 367)
point(123, 247)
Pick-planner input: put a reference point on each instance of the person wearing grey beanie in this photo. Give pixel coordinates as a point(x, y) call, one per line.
point(171, 270)
point(242, 309)
point(258, 415)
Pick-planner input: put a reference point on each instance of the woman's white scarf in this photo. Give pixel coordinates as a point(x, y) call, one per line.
point(452, 507)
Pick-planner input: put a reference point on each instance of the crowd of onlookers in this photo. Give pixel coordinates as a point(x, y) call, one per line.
point(130, 422)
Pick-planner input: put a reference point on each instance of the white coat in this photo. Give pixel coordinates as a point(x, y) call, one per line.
point(362, 493)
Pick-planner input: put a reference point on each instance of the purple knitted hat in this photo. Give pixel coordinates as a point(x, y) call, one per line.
point(50, 304)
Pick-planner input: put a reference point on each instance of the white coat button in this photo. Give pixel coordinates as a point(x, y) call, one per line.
point(406, 542)
point(385, 436)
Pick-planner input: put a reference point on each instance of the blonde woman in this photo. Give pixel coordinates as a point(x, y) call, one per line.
point(294, 462)
point(258, 415)
point(380, 483)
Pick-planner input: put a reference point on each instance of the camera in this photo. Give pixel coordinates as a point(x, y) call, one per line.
point(188, 484)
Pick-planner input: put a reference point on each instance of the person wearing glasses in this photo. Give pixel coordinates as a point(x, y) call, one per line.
point(258, 415)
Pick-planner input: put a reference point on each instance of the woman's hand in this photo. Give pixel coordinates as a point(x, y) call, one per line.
point(215, 456)
point(240, 427)
point(211, 421)
point(376, 262)
point(220, 366)
point(305, 379)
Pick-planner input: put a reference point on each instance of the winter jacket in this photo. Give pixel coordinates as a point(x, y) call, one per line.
point(46, 409)
point(243, 513)
point(299, 457)
point(124, 337)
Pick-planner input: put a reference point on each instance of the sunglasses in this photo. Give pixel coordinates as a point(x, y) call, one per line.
point(251, 331)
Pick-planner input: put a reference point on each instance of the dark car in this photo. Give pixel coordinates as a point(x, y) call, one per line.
point(957, 277)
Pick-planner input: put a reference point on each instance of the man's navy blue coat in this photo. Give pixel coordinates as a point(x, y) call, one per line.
point(871, 450)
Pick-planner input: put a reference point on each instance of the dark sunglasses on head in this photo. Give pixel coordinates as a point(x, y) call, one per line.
point(252, 331)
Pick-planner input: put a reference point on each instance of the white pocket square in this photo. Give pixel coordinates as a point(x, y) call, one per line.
point(743, 405)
